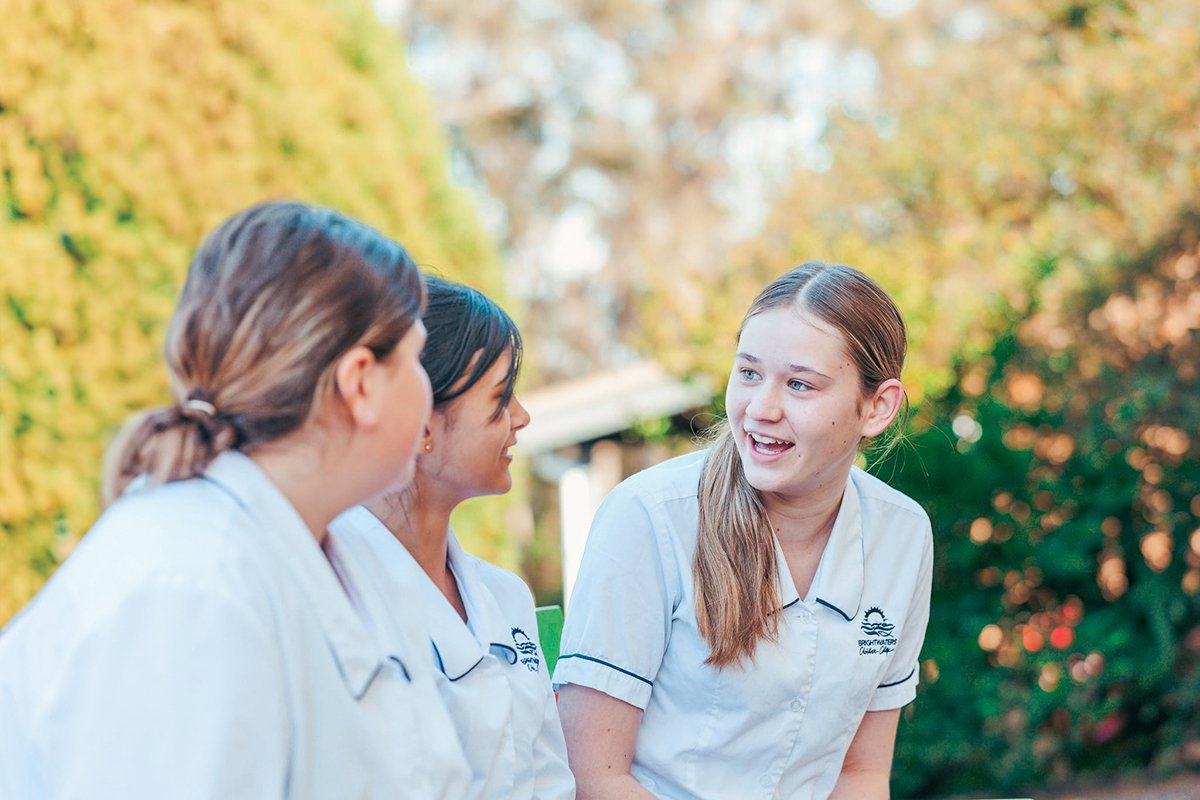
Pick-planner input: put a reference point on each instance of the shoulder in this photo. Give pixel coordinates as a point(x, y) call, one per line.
point(510, 591)
point(171, 538)
point(878, 496)
point(169, 555)
point(892, 521)
point(672, 480)
point(193, 526)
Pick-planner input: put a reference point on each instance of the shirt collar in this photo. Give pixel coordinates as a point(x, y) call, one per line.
point(838, 583)
point(291, 545)
point(455, 650)
point(839, 578)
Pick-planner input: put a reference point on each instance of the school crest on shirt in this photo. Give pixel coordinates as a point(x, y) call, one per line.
point(877, 633)
point(527, 652)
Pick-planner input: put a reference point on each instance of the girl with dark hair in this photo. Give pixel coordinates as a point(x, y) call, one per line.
point(206, 639)
point(747, 620)
point(481, 618)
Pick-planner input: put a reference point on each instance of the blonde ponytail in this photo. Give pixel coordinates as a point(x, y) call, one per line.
point(735, 570)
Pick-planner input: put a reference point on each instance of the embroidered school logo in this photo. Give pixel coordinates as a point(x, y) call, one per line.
point(875, 623)
point(877, 633)
point(527, 651)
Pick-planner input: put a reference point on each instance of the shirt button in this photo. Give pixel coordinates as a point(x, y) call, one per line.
point(797, 705)
point(765, 781)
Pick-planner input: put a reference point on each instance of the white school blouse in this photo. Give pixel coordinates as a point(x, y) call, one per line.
point(491, 673)
point(781, 726)
point(197, 644)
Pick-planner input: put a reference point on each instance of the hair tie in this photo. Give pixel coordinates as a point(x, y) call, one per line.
point(203, 406)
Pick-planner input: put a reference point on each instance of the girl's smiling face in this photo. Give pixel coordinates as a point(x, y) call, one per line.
point(473, 435)
point(795, 405)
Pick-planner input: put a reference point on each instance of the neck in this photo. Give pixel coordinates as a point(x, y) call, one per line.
point(804, 520)
point(421, 525)
point(300, 474)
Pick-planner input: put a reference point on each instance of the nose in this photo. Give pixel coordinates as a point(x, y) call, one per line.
point(518, 414)
point(764, 404)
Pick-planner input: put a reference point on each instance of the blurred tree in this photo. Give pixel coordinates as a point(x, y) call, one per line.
point(1064, 488)
point(614, 143)
point(1006, 138)
point(126, 130)
point(648, 166)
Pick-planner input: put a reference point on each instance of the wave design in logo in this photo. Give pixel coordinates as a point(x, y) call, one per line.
point(875, 623)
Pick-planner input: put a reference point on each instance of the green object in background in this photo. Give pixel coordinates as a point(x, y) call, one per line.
point(550, 625)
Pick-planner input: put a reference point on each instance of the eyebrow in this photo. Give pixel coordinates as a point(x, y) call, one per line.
point(791, 367)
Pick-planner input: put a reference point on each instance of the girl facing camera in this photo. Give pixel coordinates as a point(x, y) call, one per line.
point(747, 619)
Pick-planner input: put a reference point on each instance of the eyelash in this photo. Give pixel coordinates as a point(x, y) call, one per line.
point(793, 384)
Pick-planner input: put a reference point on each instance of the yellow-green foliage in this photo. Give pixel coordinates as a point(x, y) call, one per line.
point(127, 129)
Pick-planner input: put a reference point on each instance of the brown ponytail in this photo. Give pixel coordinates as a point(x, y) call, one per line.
point(735, 570)
point(273, 298)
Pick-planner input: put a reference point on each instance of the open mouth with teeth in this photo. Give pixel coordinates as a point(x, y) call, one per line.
point(768, 446)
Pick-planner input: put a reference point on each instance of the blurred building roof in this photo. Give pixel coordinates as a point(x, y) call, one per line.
point(605, 403)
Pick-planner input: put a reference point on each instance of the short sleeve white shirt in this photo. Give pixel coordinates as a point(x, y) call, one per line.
point(781, 726)
point(491, 673)
point(197, 644)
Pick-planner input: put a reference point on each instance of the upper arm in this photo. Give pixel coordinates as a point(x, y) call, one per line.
point(873, 743)
point(867, 766)
point(601, 733)
point(899, 685)
point(619, 619)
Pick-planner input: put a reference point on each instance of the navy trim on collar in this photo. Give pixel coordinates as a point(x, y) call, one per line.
point(610, 666)
point(504, 652)
point(835, 608)
point(442, 666)
point(403, 669)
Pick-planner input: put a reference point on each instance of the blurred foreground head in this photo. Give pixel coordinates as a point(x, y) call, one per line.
point(273, 298)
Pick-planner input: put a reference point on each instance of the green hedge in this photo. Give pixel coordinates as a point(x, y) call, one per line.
point(127, 129)
point(1062, 474)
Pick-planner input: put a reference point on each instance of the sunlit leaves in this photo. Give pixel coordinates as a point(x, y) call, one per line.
point(126, 130)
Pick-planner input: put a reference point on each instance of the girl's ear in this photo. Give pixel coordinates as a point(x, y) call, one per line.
point(882, 407)
point(355, 377)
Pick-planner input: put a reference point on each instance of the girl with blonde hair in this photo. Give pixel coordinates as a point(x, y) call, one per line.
point(747, 619)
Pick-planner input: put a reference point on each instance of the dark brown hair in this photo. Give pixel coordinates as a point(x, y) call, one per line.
point(461, 322)
point(273, 298)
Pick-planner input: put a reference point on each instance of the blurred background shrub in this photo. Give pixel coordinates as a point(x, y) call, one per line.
point(129, 128)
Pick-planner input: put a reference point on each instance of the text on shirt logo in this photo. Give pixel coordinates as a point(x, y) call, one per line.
point(877, 632)
point(527, 649)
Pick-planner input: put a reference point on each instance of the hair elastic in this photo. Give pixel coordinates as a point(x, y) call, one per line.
point(203, 406)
